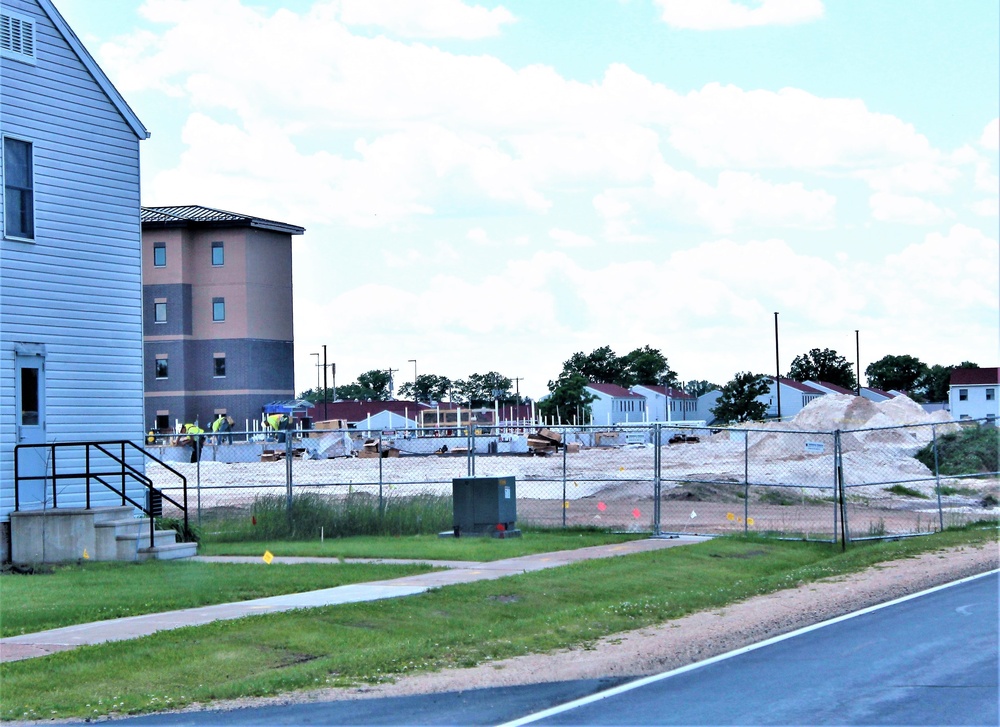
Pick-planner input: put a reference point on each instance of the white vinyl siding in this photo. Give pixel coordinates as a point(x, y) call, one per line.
point(77, 288)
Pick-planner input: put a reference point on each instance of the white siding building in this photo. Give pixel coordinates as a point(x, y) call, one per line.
point(70, 268)
point(615, 405)
point(667, 404)
point(973, 393)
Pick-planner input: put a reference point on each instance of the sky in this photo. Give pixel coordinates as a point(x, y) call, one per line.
point(494, 187)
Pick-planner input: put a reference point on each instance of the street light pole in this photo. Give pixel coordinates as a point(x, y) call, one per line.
point(857, 356)
point(324, 383)
point(777, 362)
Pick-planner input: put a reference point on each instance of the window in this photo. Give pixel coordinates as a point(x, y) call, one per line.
point(160, 312)
point(220, 365)
point(17, 37)
point(218, 254)
point(218, 309)
point(18, 189)
point(161, 366)
point(163, 421)
point(963, 394)
point(159, 254)
point(991, 394)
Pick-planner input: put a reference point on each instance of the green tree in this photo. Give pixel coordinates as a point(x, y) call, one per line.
point(647, 366)
point(567, 399)
point(484, 389)
point(429, 388)
point(601, 366)
point(738, 402)
point(698, 387)
point(641, 366)
point(823, 365)
point(315, 395)
point(934, 384)
point(896, 372)
point(372, 385)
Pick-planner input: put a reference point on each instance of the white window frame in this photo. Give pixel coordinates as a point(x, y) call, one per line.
point(3, 197)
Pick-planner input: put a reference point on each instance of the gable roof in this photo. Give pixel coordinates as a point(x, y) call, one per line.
point(793, 384)
point(836, 388)
point(618, 392)
point(197, 215)
point(357, 411)
point(967, 377)
point(669, 391)
point(116, 99)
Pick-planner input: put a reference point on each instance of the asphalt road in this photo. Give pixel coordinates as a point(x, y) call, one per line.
point(925, 660)
point(929, 660)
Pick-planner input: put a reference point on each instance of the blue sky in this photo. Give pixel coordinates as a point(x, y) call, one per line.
point(496, 186)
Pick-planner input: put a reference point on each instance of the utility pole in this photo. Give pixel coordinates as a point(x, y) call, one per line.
point(517, 389)
point(416, 399)
point(317, 369)
point(325, 417)
point(390, 372)
point(777, 361)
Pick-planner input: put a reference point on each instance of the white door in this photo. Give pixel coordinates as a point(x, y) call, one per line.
point(30, 425)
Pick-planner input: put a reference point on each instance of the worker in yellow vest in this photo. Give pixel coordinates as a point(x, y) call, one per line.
point(279, 423)
point(192, 437)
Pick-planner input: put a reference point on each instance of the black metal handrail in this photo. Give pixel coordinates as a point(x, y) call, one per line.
point(125, 471)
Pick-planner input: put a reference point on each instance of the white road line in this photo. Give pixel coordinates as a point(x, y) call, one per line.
point(528, 719)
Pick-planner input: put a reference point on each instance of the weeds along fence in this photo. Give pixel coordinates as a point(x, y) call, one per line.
point(830, 486)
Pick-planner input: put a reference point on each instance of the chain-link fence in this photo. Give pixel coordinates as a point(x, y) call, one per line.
point(842, 485)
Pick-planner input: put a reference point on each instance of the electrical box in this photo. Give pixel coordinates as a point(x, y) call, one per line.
point(484, 506)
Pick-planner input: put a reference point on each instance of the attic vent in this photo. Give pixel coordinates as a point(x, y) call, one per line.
point(17, 37)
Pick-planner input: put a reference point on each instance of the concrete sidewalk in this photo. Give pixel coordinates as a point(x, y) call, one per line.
point(27, 646)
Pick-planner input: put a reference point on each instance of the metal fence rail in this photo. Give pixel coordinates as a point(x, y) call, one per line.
point(828, 486)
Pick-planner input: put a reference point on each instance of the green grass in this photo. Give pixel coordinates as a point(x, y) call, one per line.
point(974, 450)
point(357, 513)
point(965, 491)
point(74, 594)
point(430, 547)
point(905, 491)
point(459, 625)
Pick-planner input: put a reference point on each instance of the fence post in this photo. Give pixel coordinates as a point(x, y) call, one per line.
point(937, 478)
point(657, 482)
point(746, 481)
point(839, 462)
point(565, 502)
point(197, 474)
point(289, 451)
point(381, 502)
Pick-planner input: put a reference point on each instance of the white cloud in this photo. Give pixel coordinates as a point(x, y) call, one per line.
point(921, 177)
point(991, 136)
point(427, 18)
point(727, 14)
point(989, 207)
point(568, 239)
point(725, 126)
point(907, 209)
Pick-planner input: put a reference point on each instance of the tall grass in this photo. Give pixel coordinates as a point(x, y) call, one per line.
point(358, 513)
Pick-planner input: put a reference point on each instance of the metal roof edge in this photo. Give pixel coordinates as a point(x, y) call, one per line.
point(95, 70)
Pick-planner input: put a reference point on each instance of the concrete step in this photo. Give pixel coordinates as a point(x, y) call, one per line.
point(113, 513)
point(173, 551)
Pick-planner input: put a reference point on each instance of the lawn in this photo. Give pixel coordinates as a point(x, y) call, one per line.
point(459, 625)
point(430, 547)
point(74, 594)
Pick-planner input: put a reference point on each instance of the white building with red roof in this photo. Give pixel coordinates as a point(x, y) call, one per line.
point(973, 393)
point(666, 403)
point(615, 405)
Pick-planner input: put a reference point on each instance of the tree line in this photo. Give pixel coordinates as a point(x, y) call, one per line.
point(568, 399)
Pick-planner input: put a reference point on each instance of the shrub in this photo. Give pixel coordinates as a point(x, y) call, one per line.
point(906, 492)
point(974, 450)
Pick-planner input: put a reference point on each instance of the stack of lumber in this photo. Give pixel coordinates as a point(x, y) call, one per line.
point(544, 441)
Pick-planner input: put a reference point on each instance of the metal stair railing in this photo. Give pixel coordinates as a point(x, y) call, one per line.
point(125, 472)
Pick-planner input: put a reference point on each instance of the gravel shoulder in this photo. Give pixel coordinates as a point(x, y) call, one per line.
point(687, 640)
